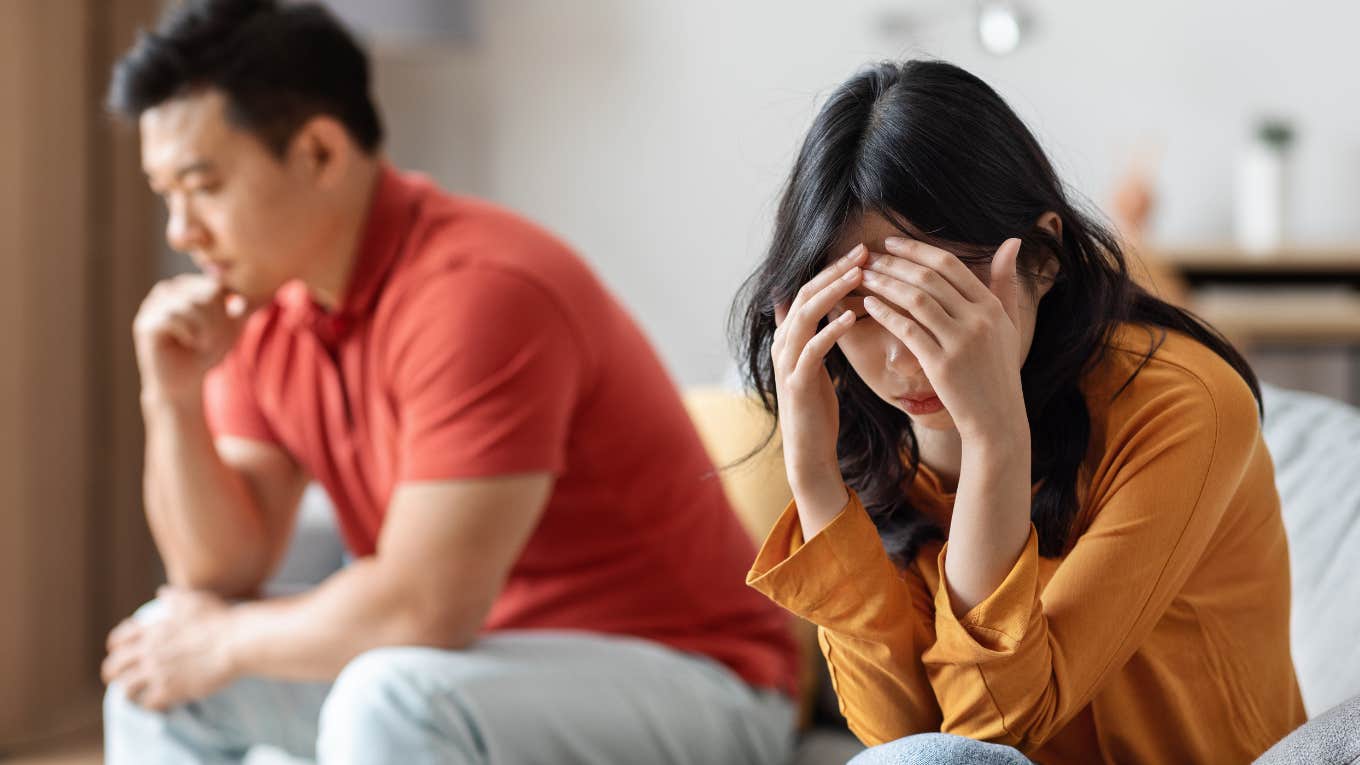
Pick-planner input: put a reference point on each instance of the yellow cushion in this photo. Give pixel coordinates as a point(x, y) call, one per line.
point(732, 425)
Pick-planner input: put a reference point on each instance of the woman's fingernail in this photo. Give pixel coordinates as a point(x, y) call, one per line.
point(854, 253)
point(851, 274)
point(894, 242)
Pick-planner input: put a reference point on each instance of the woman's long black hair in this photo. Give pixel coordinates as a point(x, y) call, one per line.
point(927, 143)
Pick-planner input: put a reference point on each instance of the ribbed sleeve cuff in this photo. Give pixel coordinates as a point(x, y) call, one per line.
point(818, 580)
point(994, 628)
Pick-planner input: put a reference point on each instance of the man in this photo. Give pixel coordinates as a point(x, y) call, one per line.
point(544, 569)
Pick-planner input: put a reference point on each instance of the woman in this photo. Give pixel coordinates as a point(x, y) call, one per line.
point(955, 352)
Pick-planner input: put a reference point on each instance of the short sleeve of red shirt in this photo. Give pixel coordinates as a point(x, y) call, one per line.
point(229, 403)
point(486, 372)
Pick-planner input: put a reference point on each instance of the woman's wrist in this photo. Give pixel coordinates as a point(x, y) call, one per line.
point(818, 500)
point(998, 438)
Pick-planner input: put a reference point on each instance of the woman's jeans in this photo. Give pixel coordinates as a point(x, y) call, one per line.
point(939, 749)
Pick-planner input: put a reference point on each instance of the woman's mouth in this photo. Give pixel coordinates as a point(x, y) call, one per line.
point(921, 405)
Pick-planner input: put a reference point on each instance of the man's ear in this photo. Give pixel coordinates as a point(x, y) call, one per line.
point(323, 149)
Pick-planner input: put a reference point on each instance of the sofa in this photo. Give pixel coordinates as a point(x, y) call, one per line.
point(1315, 443)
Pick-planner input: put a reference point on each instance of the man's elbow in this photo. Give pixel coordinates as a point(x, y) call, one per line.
point(225, 582)
point(442, 627)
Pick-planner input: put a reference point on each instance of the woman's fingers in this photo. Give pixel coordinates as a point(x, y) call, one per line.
point(911, 333)
point(827, 276)
point(943, 263)
point(925, 278)
point(814, 352)
point(915, 301)
point(801, 323)
point(781, 312)
point(1005, 284)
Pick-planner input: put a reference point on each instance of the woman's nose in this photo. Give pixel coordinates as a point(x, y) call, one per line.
point(901, 361)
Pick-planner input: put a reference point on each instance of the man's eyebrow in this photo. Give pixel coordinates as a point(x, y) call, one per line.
point(197, 166)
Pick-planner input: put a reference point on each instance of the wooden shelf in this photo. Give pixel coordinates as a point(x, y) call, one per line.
point(1228, 258)
point(1206, 264)
point(1295, 316)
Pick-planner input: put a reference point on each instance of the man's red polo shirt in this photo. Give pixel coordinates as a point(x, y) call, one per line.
point(472, 343)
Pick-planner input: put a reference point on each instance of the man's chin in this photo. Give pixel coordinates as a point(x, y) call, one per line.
point(252, 296)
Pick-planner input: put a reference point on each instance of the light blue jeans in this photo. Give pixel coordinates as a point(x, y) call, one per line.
point(558, 698)
point(939, 749)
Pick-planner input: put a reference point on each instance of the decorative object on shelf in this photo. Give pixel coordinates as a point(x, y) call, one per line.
point(1001, 26)
point(1262, 186)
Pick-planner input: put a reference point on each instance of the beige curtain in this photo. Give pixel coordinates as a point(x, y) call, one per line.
point(77, 252)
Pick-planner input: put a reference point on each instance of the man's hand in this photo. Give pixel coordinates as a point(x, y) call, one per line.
point(184, 327)
point(177, 657)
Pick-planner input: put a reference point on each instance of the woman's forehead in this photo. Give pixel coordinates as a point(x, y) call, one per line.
point(869, 228)
point(872, 227)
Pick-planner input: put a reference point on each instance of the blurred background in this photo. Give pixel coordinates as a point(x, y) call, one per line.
point(1222, 138)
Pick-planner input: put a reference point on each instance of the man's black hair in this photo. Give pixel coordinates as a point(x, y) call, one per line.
point(278, 64)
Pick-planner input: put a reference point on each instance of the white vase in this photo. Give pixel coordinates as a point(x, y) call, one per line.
point(1260, 199)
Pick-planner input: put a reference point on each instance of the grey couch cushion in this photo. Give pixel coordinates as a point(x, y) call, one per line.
point(1331, 738)
point(315, 551)
point(1315, 443)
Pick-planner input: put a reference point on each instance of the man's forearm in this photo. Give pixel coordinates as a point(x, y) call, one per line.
point(204, 521)
point(312, 636)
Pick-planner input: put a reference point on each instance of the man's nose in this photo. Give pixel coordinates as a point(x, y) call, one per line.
point(182, 232)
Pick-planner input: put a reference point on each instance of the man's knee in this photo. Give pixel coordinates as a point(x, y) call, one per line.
point(385, 704)
point(116, 701)
point(135, 734)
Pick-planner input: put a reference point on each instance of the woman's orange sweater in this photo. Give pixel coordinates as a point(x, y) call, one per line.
point(1160, 636)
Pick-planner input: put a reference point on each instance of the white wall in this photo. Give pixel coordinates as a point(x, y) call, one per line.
point(654, 135)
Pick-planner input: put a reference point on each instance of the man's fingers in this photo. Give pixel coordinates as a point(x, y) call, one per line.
point(117, 664)
point(182, 330)
point(134, 685)
point(155, 697)
point(199, 288)
point(126, 632)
